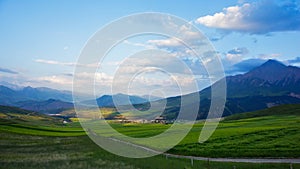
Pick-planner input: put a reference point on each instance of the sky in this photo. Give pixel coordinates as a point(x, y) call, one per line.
point(41, 41)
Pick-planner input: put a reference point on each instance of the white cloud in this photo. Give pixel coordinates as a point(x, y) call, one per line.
point(58, 81)
point(232, 17)
point(52, 62)
point(166, 43)
point(188, 38)
point(130, 83)
point(72, 64)
point(145, 72)
point(269, 56)
point(233, 57)
point(101, 80)
point(256, 18)
point(144, 84)
point(147, 46)
point(55, 80)
point(153, 59)
point(237, 54)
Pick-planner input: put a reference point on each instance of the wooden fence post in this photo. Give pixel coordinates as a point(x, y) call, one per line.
point(208, 164)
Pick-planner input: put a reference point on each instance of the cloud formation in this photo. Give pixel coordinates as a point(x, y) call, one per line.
point(7, 71)
point(269, 56)
point(260, 17)
point(166, 43)
point(189, 39)
point(294, 61)
point(72, 64)
point(146, 46)
point(236, 54)
point(53, 62)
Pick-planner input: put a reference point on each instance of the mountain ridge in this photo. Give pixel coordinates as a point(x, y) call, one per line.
point(271, 78)
point(272, 83)
point(9, 96)
point(50, 106)
point(119, 99)
point(250, 91)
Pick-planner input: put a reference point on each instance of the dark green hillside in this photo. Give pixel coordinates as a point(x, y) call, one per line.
point(273, 132)
point(284, 110)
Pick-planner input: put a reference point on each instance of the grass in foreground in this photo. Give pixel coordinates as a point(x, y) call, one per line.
point(272, 132)
point(20, 151)
point(32, 142)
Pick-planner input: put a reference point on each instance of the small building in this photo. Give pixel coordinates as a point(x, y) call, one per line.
point(160, 119)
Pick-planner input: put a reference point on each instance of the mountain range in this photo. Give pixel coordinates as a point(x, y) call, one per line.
point(267, 85)
point(271, 78)
point(10, 96)
point(49, 101)
point(50, 106)
point(41, 99)
point(272, 83)
point(119, 99)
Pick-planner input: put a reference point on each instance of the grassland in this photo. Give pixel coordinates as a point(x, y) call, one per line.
point(20, 151)
point(268, 133)
point(269, 136)
point(34, 141)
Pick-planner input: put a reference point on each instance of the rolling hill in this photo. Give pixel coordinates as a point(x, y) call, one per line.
point(13, 115)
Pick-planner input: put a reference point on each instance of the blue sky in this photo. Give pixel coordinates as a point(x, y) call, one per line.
point(41, 40)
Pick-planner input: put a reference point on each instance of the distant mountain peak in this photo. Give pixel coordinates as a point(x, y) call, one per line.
point(270, 65)
point(273, 63)
point(271, 71)
point(28, 88)
point(272, 77)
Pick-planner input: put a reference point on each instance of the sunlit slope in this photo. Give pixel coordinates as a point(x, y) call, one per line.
point(26, 122)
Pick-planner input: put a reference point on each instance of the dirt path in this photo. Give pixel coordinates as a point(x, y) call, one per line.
point(242, 160)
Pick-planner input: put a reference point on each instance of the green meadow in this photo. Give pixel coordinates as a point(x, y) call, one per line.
point(37, 141)
point(274, 132)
